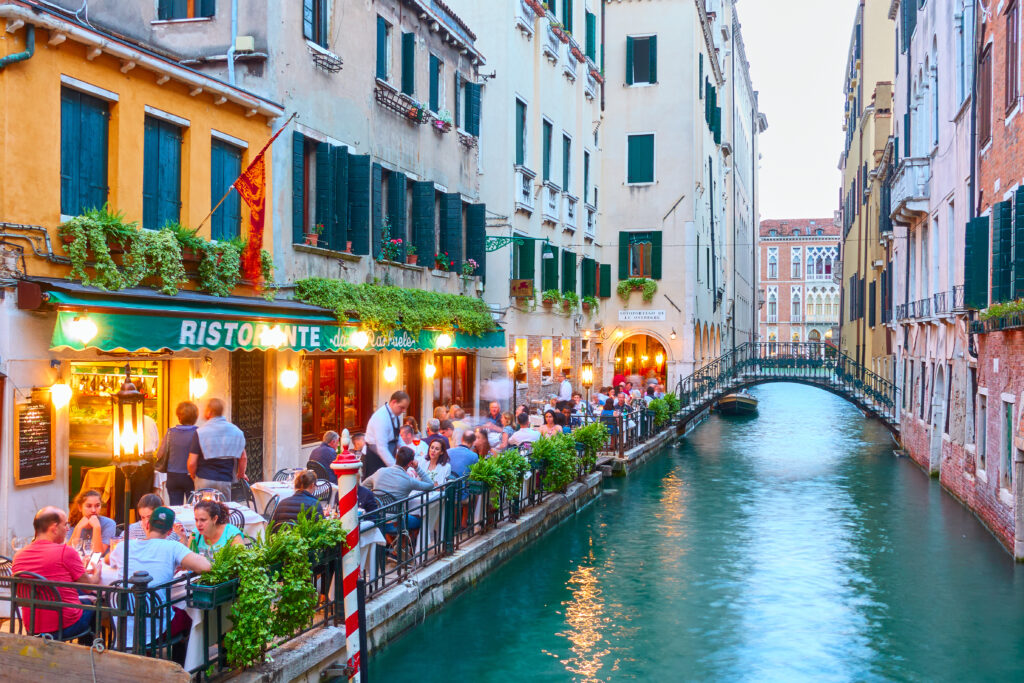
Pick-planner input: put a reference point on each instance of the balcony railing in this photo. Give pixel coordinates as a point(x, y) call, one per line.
point(958, 298)
point(524, 189)
point(524, 18)
point(795, 318)
point(550, 207)
point(591, 228)
point(773, 318)
point(837, 271)
point(552, 45)
point(569, 211)
point(940, 303)
point(910, 188)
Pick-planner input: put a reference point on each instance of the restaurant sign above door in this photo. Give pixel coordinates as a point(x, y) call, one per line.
point(153, 333)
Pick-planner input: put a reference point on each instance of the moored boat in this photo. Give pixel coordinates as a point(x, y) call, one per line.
point(739, 403)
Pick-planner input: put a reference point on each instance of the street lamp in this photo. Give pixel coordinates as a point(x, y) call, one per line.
point(511, 364)
point(129, 446)
point(587, 379)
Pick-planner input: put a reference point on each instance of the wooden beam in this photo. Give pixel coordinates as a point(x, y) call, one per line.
point(251, 113)
point(29, 659)
point(127, 66)
point(220, 100)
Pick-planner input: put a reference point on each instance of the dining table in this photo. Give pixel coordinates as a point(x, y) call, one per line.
point(254, 522)
point(264, 491)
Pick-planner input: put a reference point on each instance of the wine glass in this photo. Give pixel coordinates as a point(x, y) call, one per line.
point(19, 542)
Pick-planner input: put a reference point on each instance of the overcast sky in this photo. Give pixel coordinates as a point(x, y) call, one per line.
point(797, 51)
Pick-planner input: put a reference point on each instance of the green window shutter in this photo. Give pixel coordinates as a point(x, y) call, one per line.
point(717, 128)
point(423, 220)
point(566, 161)
point(629, 60)
point(652, 42)
point(408, 63)
point(206, 8)
point(605, 290)
point(553, 7)
point(976, 263)
point(376, 208)
point(1018, 244)
point(225, 167)
point(996, 263)
point(568, 272)
point(655, 237)
point(640, 164)
point(527, 260)
point(324, 188)
point(520, 132)
point(586, 177)
point(473, 108)
point(589, 276)
point(567, 15)
point(70, 151)
point(476, 237)
point(549, 268)
point(83, 146)
point(456, 117)
point(359, 173)
point(435, 83)
point(396, 208)
point(307, 19)
point(700, 76)
point(591, 38)
point(339, 226)
point(1004, 217)
point(173, 9)
point(546, 170)
point(161, 174)
point(451, 227)
point(298, 187)
point(382, 48)
point(624, 241)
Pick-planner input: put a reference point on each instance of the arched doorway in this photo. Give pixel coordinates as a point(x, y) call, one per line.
point(640, 356)
point(814, 336)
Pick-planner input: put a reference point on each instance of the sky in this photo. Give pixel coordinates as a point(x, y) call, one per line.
point(797, 51)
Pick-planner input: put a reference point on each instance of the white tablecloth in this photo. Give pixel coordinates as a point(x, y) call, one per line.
point(264, 491)
point(254, 522)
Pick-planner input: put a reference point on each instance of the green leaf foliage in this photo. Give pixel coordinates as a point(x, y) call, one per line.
point(661, 411)
point(383, 308)
point(504, 471)
point(673, 402)
point(551, 296)
point(998, 310)
point(647, 286)
point(593, 437)
point(556, 457)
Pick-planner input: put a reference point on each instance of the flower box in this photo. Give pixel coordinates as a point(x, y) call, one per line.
point(548, 302)
point(207, 597)
point(578, 54)
point(562, 35)
point(442, 126)
point(597, 75)
point(586, 307)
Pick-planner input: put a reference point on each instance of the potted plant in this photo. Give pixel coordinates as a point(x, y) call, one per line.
point(443, 121)
point(410, 255)
point(442, 261)
point(637, 284)
point(590, 303)
point(577, 53)
point(469, 267)
point(390, 250)
point(313, 234)
point(570, 300)
point(550, 297)
point(597, 75)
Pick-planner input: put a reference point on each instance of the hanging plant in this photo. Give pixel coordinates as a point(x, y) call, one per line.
point(645, 285)
point(92, 234)
point(570, 300)
point(155, 255)
point(221, 268)
point(590, 304)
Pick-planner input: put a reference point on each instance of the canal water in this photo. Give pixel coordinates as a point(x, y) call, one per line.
point(788, 546)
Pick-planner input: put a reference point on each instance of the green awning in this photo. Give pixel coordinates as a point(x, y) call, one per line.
point(178, 326)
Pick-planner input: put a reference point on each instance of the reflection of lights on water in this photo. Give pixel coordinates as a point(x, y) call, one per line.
point(672, 509)
point(586, 620)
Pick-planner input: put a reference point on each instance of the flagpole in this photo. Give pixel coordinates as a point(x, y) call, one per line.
point(232, 186)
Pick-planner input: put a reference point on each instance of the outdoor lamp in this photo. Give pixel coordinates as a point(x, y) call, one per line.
point(511, 364)
point(126, 405)
point(273, 337)
point(673, 335)
point(659, 359)
point(444, 340)
point(197, 387)
point(390, 373)
point(618, 334)
point(359, 339)
point(558, 361)
point(60, 395)
point(587, 374)
point(644, 359)
point(429, 370)
point(289, 378)
point(629, 360)
point(83, 328)
point(536, 363)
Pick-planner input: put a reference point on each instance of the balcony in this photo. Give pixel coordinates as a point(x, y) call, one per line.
point(591, 229)
point(550, 206)
point(524, 189)
point(796, 317)
point(772, 319)
point(569, 211)
point(590, 87)
point(568, 62)
point(552, 45)
point(525, 17)
point(910, 189)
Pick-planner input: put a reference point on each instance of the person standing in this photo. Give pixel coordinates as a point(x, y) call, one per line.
point(172, 455)
point(565, 389)
point(217, 454)
point(382, 433)
point(325, 454)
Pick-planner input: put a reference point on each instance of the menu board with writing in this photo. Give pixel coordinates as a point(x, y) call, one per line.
point(34, 457)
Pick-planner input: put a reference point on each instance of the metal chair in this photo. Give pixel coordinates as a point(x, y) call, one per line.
point(37, 593)
point(268, 512)
point(323, 491)
point(318, 469)
point(287, 474)
point(6, 566)
point(241, 492)
point(236, 517)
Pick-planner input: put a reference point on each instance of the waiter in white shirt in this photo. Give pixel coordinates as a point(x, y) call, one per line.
point(382, 433)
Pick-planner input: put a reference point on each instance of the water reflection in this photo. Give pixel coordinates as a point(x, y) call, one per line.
point(585, 621)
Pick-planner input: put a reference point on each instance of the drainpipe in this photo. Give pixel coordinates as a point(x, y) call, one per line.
point(234, 37)
point(30, 48)
point(972, 349)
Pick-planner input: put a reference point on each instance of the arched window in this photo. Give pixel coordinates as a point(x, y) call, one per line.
point(795, 307)
point(773, 305)
point(796, 265)
point(773, 263)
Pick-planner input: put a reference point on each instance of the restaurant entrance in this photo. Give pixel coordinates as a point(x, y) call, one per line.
point(248, 382)
point(639, 358)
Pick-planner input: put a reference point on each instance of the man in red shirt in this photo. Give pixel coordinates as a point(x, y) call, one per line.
point(52, 559)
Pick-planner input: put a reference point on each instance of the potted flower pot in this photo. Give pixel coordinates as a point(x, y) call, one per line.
point(312, 238)
point(586, 307)
point(410, 259)
point(566, 305)
point(348, 247)
point(208, 597)
point(548, 302)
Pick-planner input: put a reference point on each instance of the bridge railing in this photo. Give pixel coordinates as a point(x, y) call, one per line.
point(815, 362)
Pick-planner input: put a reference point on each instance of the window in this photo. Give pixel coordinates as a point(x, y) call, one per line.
point(640, 155)
point(546, 132)
point(795, 264)
point(972, 388)
point(435, 83)
point(83, 152)
point(409, 64)
point(773, 305)
point(641, 60)
point(586, 177)
point(186, 9)
point(335, 395)
point(773, 233)
point(590, 43)
point(566, 161)
point(383, 49)
point(819, 233)
point(457, 93)
point(640, 254)
point(453, 380)
point(985, 95)
point(795, 307)
point(568, 272)
point(1012, 55)
point(982, 430)
point(520, 133)
point(547, 359)
point(225, 167)
point(161, 174)
point(640, 259)
point(566, 14)
point(796, 233)
point(773, 263)
point(314, 20)
point(524, 261)
point(1006, 466)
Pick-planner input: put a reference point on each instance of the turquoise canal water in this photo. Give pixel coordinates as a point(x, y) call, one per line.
point(790, 546)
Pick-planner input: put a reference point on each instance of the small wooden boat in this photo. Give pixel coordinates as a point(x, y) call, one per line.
point(739, 403)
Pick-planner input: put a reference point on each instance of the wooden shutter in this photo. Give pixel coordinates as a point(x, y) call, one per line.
point(396, 209)
point(586, 177)
point(476, 237)
point(382, 48)
point(567, 15)
point(70, 151)
point(473, 108)
point(376, 208)
point(359, 203)
point(435, 83)
point(568, 272)
point(408, 63)
point(307, 19)
point(655, 237)
point(324, 188)
point(605, 280)
point(652, 43)
point(423, 221)
point(520, 132)
point(629, 60)
point(1018, 244)
point(161, 174)
point(208, 8)
point(150, 172)
point(451, 227)
point(640, 165)
point(456, 114)
point(717, 128)
point(1004, 224)
point(624, 241)
point(527, 260)
point(225, 167)
point(83, 146)
point(175, 9)
point(588, 270)
point(339, 227)
point(298, 187)
point(553, 7)
point(591, 37)
point(549, 268)
point(566, 161)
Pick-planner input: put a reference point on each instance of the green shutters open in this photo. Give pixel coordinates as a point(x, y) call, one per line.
point(566, 161)
point(549, 268)
point(567, 15)
point(376, 208)
point(396, 208)
point(324, 209)
point(546, 170)
point(590, 44)
point(568, 272)
point(655, 237)
point(473, 108)
point(451, 227)
point(457, 97)
point(359, 203)
point(527, 260)
point(586, 177)
point(520, 133)
point(629, 60)
point(161, 173)
point(652, 46)
point(383, 39)
point(435, 84)
point(976, 263)
point(423, 220)
point(588, 271)
point(476, 237)
point(624, 242)
point(298, 187)
point(83, 152)
point(225, 167)
point(604, 289)
point(338, 230)
point(409, 63)
point(640, 161)
point(1002, 248)
point(1018, 244)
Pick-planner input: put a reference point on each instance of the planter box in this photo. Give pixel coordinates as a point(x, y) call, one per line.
point(208, 597)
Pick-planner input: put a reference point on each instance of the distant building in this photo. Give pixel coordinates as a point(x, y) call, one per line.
point(799, 295)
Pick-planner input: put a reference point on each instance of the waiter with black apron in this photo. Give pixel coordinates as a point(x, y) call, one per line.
point(382, 433)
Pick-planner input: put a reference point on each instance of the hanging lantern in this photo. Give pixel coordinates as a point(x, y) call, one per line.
point(536, 363)
point(429, 370)
point(390, 373)
point(60, 395)
point(511, 364)
point(197, 387)
point(129, 445)
point(587, 374)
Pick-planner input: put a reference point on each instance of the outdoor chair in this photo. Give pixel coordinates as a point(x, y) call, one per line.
point(319, 470)
point(241, 492)
point(237, 518)
point(28, 596)
point(287, 474)
point(323, 491)
point(268, 512)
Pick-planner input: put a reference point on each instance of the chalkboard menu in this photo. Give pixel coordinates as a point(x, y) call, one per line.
point(34, 458)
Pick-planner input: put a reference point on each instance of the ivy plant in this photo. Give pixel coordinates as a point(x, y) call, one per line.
point(155, 254)
point(92, 233)
point(551, 296)
point(502, 472)
point(593, 438)
point(594, 304)
point(572, 299)
point(220, 268)
point(647, 287)
point(661, 411)
point(556, 456)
